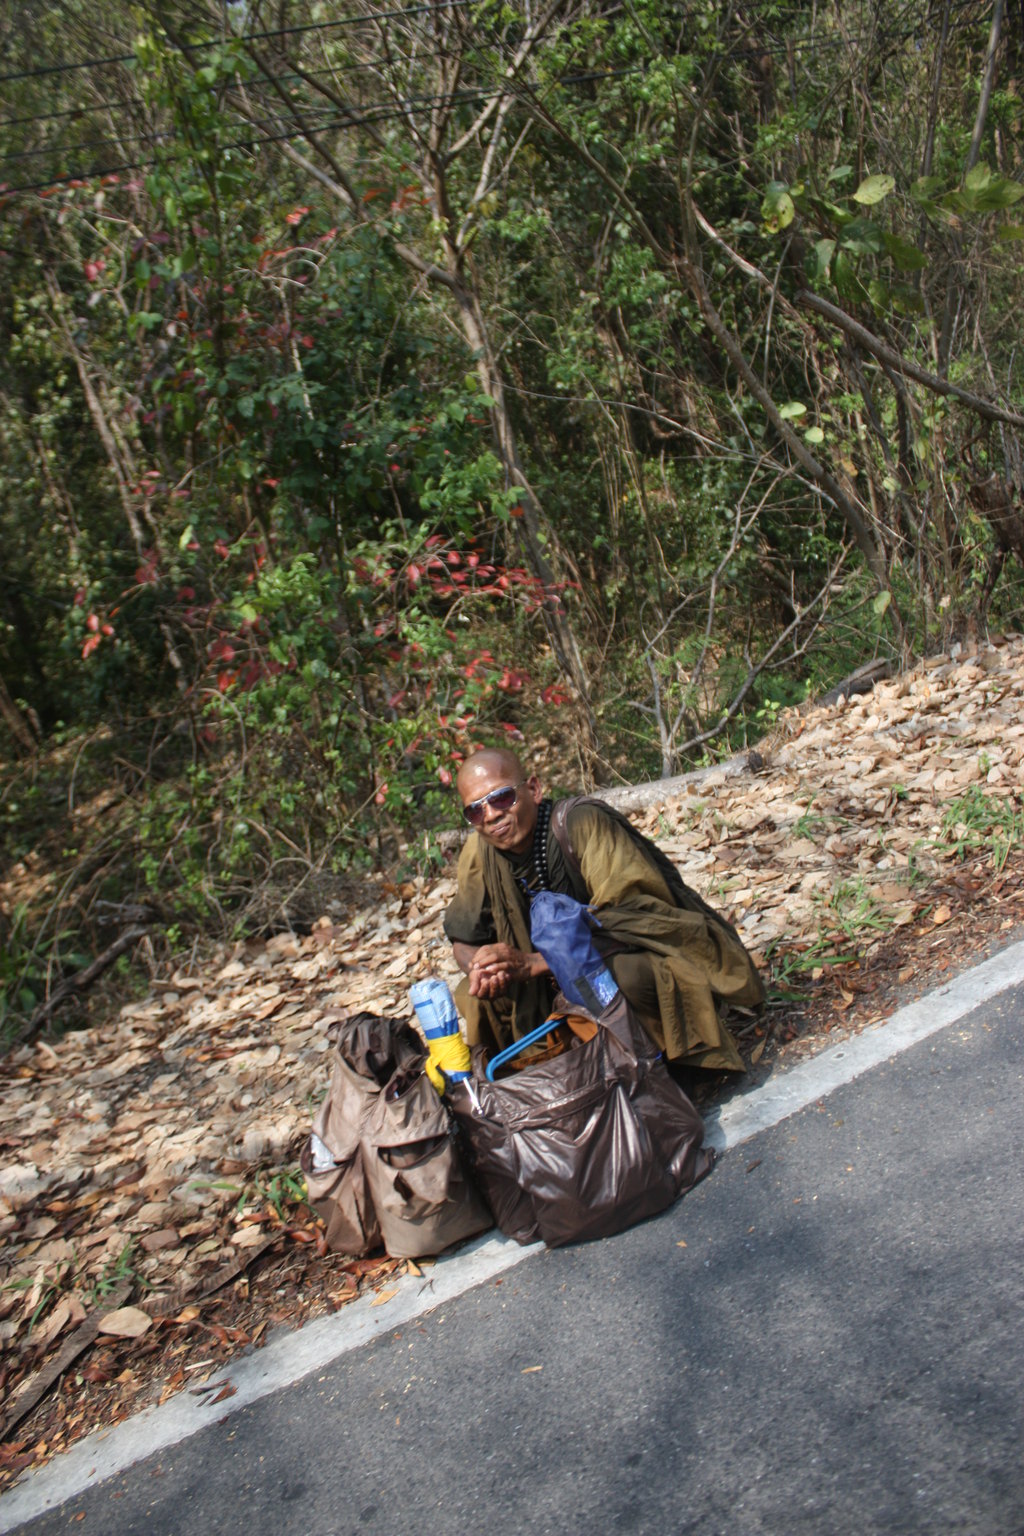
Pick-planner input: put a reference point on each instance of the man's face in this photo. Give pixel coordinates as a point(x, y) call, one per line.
point(509, 830)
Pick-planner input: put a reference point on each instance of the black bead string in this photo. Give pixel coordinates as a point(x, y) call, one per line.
point(540, 876)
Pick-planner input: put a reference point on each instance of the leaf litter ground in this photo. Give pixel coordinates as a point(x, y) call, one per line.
point(151, 1219)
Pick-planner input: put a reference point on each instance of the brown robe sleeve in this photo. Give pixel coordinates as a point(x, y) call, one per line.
point(469, 919)
point(681, 964)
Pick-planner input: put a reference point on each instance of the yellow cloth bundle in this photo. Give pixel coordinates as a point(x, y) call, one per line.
point(447, 1053)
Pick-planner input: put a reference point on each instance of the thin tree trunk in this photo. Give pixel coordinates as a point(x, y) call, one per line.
point(563, 640)
point(987, 83)
point(99, 417)
point(15, 721)
point(115, 458)
point(933, 105)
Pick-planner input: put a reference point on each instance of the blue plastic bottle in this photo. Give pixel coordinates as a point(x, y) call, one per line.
point(439, 1019)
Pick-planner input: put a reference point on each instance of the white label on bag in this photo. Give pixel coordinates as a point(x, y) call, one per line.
point(321, 1155)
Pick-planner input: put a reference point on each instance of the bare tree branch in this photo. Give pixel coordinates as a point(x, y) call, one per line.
point(887, 354)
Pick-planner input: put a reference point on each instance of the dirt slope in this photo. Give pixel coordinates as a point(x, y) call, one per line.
point(149, 1164)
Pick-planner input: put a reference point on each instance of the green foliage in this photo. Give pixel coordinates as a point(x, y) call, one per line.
point(117, 1271)
point(268, 565)
point(28, 961)
point(979, 821)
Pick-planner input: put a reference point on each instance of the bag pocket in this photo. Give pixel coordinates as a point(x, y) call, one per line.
point(341, 1197)
point(423, 1198)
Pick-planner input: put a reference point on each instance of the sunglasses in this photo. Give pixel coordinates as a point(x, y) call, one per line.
point(502, 799)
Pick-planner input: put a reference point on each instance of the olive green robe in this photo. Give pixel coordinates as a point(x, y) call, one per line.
point(682, 961)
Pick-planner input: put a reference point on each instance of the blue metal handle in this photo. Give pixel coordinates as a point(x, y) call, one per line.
point(521, 1045)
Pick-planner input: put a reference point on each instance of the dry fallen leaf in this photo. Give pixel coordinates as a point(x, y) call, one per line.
point(58, 1319)
point(849, 797)
point(383, 1296)
point(153, 1242)
point(248, 1237)
point(529, 1369)
point(94, 1373)
point(126, 1323)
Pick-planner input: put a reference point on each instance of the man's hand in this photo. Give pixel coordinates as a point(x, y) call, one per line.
point(494, 968)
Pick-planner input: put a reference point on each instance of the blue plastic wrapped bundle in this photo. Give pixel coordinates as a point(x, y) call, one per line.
point(562, 929)
point(438, 1016)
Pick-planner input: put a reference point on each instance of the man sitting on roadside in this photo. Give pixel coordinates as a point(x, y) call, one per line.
point(679, 961)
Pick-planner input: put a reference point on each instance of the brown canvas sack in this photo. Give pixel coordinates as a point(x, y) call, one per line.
point(397, 1176)
point(586, 1144)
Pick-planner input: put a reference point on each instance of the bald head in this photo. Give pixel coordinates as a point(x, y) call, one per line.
point(491, 760)
point(506, 827)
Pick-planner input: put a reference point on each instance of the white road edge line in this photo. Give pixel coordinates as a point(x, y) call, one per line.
point(290, 1356)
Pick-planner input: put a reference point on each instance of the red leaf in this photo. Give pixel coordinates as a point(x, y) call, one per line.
point(95, 1373)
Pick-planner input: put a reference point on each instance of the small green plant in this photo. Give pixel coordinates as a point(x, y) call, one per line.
point(978, 821)
point(46, 1288)
point(853, 909)
point(789, 967)
point(25, 965)
point(807, 824)
point(767, 715)
point(282, 1192)
point(116, 1271)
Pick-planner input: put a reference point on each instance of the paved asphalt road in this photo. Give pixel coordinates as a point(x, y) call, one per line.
point(826, 1337)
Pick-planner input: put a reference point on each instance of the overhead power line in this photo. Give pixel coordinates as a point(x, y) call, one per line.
point(105, 106)
point(243, 37)
point(373, 112)
point(779, 46)
point(357, 118)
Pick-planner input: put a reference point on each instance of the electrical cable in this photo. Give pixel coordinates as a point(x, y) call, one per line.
point(780, 47)
point(103, 106)
point(350, 120)
point(243, 37)
point(367, 114)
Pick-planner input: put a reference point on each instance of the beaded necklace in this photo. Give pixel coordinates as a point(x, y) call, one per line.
point(539, 877)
